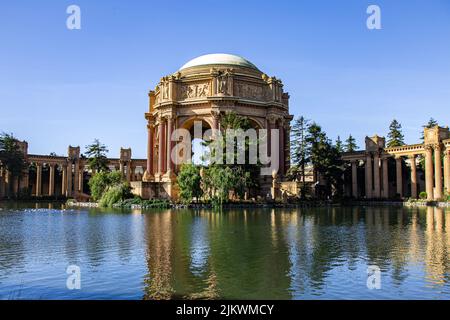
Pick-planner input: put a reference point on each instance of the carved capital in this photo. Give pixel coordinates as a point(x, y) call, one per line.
point(215, 114)
point(272, 119)
point(437, 147)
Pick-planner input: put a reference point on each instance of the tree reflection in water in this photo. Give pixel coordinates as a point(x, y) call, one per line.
point(295, 253)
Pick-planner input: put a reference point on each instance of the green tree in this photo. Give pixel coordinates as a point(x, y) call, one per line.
point(219, 181)
point(101, 181)
point(115, 194)
point(339, 145)
point(395, 135)
point(231, 120)
point(11, 157)
point(299, 151)
point(239, 177)
point(189, 182)
point(96, 154)
point(350, 144)
point(431, 123)
point(325, 159)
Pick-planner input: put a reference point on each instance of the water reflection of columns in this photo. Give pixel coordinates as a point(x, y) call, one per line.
point(159, 256)
point(414, 237)
point(436, 247)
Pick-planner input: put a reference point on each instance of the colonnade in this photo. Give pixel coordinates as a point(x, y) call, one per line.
point(161, 129)
point(67, 173)
point(376, 168)
point(72, 179)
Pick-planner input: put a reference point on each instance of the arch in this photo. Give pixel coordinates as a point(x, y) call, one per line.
point(256, 124)
point(187, 124)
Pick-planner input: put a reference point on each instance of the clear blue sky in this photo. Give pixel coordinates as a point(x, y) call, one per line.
point(61, 87)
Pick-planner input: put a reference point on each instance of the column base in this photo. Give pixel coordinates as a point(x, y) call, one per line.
point(148, 177)
point(169, 176)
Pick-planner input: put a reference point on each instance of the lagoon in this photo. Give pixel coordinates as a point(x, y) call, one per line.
point(304, 253)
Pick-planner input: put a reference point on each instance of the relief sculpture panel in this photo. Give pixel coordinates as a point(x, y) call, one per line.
point(249, 91)
point(192, 91)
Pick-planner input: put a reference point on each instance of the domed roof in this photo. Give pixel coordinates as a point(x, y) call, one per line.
point(219, 58)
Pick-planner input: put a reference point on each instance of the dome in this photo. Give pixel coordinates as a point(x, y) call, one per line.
point(219, 58)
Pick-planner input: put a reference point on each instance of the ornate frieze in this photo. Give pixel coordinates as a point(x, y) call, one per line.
point(193, 91)
point(249, 91)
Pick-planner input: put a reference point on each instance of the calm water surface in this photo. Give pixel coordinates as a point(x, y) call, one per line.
point(320, 253)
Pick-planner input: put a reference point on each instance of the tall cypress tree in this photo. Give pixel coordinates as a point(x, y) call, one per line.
point(350, 144)
point(395, 135)
point(339, 145)
point(96, 154)
point(431, 123)
point(298, 142)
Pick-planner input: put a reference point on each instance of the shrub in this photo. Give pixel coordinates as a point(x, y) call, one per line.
point(145, 204)
point(423, 195)
point(101, 181)
point(189, 182)
point(115, 194)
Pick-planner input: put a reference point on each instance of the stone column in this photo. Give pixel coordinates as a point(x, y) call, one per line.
point(69, 179)
point(270, 126)
point(369, 181)
point(80, 180)
point(354, 179)
point(132, 172)
point(2, 183)
point(160, 147)
point(437, 172)
point(129, 171)
point(376, 175)
point(281, 147)
point(413, 177)
point(429, 175)
point(121, 168)
point(287, 147)
point(64, 181)
point(76, 177)
point(399, 176)
point(447, 171)
point(51, 181)
point(215, 120)
point(150, 151)
point(38, 180)
point(385, 178)
point(169, 167)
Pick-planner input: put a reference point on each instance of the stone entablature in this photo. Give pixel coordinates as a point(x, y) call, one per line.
point(206, 84)
point(375, 158)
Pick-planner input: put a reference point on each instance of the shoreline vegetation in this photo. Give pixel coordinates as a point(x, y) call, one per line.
point(137, 203)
